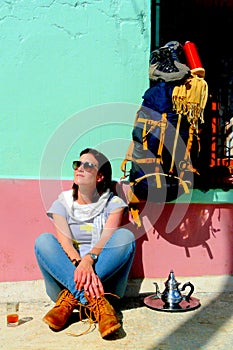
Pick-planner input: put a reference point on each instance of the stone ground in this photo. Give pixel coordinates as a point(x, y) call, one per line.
point(208, 327)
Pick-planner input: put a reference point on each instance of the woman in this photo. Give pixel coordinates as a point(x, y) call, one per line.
point(90, 254)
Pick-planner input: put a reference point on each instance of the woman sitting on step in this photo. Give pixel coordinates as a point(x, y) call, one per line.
point(91, 253)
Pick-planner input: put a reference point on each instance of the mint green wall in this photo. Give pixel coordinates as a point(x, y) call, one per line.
point(59, 58)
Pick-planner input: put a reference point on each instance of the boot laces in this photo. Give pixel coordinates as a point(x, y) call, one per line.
point(89, 320)
point(93, 311)
point(66, 299)
point(100, 307)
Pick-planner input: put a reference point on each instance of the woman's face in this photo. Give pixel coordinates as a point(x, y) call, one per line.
point(85, 175)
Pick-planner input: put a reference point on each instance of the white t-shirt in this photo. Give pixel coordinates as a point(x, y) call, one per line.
point(86, 233)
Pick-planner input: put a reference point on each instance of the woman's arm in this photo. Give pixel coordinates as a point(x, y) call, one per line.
point(85, 276)
point(113, 222)
point(64, 237)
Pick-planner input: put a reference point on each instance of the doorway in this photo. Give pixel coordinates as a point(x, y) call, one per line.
point(207, 23)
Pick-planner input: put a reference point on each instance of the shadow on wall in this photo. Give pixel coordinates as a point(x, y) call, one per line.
point(196, 228)
point(183, 225)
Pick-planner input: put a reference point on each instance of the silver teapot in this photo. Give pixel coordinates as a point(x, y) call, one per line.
point(171, 295)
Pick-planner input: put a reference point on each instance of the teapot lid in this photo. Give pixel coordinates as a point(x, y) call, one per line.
point(171, 282)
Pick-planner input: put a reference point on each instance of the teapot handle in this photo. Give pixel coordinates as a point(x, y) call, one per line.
point(187, 284)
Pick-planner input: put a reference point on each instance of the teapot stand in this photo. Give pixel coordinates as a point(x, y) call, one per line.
point(156, 303)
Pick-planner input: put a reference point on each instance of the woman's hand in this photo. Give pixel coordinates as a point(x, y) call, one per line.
point(85, 277)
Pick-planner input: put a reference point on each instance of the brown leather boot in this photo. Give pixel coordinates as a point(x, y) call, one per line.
point(104, 314)
point(57, 317)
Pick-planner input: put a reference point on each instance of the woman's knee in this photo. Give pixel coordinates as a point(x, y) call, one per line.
point(123, 237)
point(125, 234)
point(43, 241)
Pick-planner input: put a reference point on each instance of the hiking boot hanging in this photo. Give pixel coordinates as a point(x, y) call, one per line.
point(58, 316)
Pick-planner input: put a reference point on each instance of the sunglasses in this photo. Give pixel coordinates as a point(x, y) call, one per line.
point(86, 165)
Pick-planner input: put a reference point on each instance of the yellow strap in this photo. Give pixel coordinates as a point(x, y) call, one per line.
point(185, 186)
point(145, 132)
point(145, 176)
point(131, 197)
point(148, 121)
point(182, 182)
point(162, 137)
point(144, 160)
point(123, 168)
point(136, 217)
point(190, 141)
point(175, 143)
point(144, 138)
point(128, 156)
point(160, 148)
point(188, 147)
point(158, 180)
point(137, 161)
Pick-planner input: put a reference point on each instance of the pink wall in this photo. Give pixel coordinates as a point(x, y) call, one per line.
point(23, 218)
point(200, 242)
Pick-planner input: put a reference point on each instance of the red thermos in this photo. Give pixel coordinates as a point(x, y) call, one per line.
point(193, 59)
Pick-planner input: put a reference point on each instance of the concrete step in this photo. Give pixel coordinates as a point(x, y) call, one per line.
point(25, 291)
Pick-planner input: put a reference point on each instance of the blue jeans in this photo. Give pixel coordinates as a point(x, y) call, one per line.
point(112, 267)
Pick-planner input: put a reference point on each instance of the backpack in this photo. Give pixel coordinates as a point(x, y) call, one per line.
point(164, 141)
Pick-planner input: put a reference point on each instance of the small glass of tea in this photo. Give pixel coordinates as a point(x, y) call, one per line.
point(12, 309)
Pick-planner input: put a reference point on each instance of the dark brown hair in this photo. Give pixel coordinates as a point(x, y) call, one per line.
point(104, 168)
